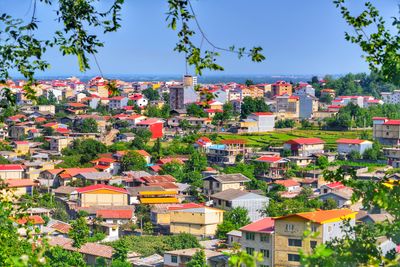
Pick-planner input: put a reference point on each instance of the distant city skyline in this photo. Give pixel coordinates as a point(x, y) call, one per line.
point(298, 37)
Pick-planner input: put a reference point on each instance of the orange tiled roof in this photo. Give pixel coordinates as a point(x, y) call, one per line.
point(321, 216)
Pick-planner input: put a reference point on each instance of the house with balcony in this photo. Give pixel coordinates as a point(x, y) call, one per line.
point(275, 167)
point(226, 151)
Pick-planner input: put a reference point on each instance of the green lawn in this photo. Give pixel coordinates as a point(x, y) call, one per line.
point(278, 137)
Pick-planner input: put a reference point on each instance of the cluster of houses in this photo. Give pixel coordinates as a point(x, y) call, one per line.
point(110, 197)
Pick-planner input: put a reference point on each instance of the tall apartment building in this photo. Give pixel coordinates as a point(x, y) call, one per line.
point(180, 96)
point(308, 105)
point(289, 233)
point(287, 106)
point(282, 87)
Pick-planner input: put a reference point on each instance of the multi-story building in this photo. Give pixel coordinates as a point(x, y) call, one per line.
point(281, 88)
point(391, 97)
point(330, 92)
point(289, 233)
point(225, 153)
point(287, 106)
point(118, 102)
point(11, 171)
point(198, 221)
point(308, 105)
point(305, 147)
point(217, 183)
point(154, 125)
point(259, 237)
point(304, 89)
point(393, 156)
point(180, 96)
point(276, 167)
point(100, 194)
point(386, 131)
point(233, 198)
point(258, 122)
point(253, 92)
point(58, 143)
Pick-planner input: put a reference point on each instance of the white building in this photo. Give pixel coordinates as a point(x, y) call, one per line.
point(345, 146)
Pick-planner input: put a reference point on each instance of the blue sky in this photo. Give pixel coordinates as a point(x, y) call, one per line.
point(298, 36)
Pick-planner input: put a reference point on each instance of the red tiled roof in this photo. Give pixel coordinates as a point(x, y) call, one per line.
point(262, 113)
point(102, 167)
point(269, 159)
point(21, 142)
point(185, 206)
point(320, 216)
point(19, 182)
point(11, 167)
point(350, 141)
point(149, 121)
point(306, 141)
point(335, 185)
point(155, 168)
point(265, 225)
point(34, 219)
point(233, 141)
point(76, 105)
point(49, 124)
point(108, 160)
point(392, 122)
point(115, 214)
point(62, 130)
point(143, 153)
point(287, 183)
point(159, 179)
point(211, 110)
point(61, 227)
point(95, 249)
point(99, 187)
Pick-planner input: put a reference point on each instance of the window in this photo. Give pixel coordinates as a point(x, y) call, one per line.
point(263, 265)
point(264, 238)
point(329, 229)
point(249, 236)
point(313, 227)
point(289, 227)
point(293, 257)
point(249, 250)
point(313, 244)
point(265, 253)
point(174, 259)
point(295, 242)
point(228, 204)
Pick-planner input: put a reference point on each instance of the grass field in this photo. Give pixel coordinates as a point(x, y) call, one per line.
point(278, 137)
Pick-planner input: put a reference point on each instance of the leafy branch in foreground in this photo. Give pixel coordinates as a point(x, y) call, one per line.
point(182, 10)
point(375, 39)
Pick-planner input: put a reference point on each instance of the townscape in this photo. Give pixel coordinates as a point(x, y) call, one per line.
point(167, 173)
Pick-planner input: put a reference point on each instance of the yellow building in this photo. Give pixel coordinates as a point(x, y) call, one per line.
point(100, 194)
point(289, 231)
point(21, 147)
point(253, 92)
point(200, 221)
point(158, 197)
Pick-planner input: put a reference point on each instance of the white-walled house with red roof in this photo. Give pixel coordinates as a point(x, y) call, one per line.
point(346, 146)
point(305, 147)
point(12, 171)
